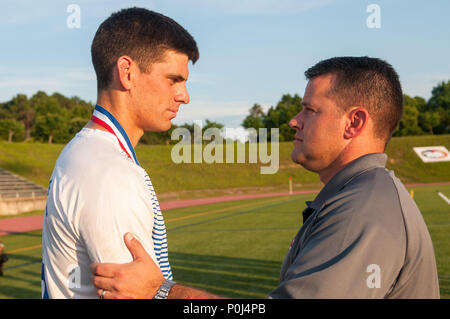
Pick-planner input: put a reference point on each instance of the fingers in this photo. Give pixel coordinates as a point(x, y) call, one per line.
point(107, 294)
point(103, 283)
point(105, 270)
point(135, 247)
point(108, 288)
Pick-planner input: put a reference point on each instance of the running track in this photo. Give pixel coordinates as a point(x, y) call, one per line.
point(25, 224)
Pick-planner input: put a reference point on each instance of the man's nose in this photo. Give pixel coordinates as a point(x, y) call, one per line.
point(183, 96)
point(295, 123)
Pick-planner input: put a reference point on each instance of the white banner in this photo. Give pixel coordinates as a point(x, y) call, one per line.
point(433, 153)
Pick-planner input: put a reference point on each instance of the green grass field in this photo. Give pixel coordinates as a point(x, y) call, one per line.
point(35, 161)
point(234, 249)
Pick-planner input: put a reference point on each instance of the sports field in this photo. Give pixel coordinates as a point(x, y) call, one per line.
point(234, 249)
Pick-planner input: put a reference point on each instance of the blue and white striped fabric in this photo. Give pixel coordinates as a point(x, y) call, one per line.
point(159, 234)
point(159, 229)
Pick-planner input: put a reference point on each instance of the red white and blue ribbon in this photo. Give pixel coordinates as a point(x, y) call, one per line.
point(104, 118)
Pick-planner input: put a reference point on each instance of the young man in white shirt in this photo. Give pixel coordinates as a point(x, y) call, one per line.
point(98, 191)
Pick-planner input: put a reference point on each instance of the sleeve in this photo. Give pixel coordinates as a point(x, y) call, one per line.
point(120, 204)
point(349, 252)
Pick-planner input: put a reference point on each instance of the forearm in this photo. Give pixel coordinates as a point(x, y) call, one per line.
point(139, 279)
point(183, 292)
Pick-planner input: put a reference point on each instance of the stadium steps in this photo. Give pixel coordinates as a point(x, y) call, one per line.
point(14, 186)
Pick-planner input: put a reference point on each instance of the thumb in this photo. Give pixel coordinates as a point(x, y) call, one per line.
point(134, 246)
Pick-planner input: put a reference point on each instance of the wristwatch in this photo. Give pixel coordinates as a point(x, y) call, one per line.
point(163, 291)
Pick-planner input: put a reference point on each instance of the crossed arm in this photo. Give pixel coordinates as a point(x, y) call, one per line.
point(139, 279)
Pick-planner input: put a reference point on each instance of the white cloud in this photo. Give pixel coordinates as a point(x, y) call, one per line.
point(422, 84)
point(67, 81)
point(204, 78)
point(229, 112)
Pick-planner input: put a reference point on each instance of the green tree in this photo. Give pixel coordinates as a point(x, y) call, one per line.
point(255, 119)
point(51, 127)
point(82, 111)
point(439, 102)
point(429, 120)
point(280, 116)
point(75, 125)
point(11, 128)
point(409, 123)
point(212, 124)
point(153, 138)
point(24, 112)
point(39, 98)
point(73, 113)
point(253, 122)
point(52, 120)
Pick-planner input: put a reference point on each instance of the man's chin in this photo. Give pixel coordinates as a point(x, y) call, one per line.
point(160, 128)
point(301, 160)
point(297, 158)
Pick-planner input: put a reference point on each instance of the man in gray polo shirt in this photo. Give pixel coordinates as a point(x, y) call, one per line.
point(363, 236)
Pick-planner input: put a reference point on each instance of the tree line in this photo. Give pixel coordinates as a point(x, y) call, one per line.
point(56, 118)
point(420, 117)
point(52, 118)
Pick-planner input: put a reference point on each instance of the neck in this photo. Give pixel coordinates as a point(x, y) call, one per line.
point(350, 153)
point(115, 103)
point(327, 173)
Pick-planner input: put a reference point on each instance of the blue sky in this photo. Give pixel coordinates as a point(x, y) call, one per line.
point(250, 51)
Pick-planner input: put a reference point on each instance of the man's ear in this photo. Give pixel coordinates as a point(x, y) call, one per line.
point(357, 120)
point(123, 71)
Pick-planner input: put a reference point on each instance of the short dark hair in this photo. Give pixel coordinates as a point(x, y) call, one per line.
point(369, 82)
point(143, 35)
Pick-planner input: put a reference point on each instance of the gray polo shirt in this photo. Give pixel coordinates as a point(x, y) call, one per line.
point(363, 237)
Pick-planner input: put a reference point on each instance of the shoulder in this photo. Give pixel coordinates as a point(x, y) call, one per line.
point(91, 172)
point(92, 159)
point(367, 205)
point(382, 196)
point(370, 192)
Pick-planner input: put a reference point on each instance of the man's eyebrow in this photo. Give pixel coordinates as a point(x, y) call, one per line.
point(307, 104)
point(176, 77)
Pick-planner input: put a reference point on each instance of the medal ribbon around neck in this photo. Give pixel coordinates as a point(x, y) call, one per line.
point(106, 120)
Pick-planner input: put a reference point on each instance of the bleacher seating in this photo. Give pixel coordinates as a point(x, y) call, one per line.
point(13, 186)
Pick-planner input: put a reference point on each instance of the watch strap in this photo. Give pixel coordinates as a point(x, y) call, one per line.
point(164, 289)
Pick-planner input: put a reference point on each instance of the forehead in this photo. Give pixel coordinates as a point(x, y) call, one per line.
point(172, 61)
point(319, 87)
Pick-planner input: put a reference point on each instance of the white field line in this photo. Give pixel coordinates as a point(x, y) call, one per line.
point(444, 197)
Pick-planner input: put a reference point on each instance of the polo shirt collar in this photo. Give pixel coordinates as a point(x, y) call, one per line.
point(342, 177)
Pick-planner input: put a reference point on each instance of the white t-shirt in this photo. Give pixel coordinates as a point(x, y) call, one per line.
point(96, 194)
